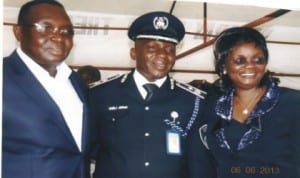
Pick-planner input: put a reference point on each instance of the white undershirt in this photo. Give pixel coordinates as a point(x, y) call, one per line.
point(140, 80)
point(62, 92)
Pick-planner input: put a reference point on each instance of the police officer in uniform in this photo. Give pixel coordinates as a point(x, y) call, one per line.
point(141, 133)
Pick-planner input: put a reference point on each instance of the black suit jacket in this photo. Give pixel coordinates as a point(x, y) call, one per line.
point(36, 139)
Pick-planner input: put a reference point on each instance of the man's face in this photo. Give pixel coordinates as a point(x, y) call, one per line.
point(154, 59)
point(46, 36)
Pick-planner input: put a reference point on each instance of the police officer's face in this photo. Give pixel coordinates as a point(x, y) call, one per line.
point(47, 36)
point(154, 59)
point(246, 65)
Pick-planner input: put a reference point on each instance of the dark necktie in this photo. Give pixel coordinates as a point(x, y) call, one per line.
point(150, 88)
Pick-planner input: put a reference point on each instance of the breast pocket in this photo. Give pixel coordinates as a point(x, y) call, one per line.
point(112, 125)
point(113, 119)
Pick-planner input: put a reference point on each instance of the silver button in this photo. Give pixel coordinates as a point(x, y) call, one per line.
point(147, 164)
point(147, 134)
point(147, 108)
point(113, 119)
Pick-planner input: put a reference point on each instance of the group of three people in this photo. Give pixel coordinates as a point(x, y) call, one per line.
point(53, 126)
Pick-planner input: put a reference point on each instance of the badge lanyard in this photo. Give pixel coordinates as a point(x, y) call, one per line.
point(173, 134)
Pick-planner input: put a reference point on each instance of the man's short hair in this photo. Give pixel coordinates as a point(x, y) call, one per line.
point(25, 9)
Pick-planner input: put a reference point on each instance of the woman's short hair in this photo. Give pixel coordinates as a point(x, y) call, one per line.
point(230, 38)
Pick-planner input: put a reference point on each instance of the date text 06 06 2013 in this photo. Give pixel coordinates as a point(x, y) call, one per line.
point(254, 170)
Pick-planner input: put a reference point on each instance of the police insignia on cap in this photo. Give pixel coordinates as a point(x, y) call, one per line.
point(160, 23)
point(161, 26)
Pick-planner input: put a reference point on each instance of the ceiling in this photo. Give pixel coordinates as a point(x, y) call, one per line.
point(192, 9)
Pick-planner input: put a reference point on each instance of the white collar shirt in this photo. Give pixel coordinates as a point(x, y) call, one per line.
point(140, 80)
point(62, 92)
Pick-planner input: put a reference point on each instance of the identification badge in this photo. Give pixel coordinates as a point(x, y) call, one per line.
point(173, 142)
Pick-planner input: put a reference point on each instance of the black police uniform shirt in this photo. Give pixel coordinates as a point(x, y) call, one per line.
point(266, 146)
point(131, 132)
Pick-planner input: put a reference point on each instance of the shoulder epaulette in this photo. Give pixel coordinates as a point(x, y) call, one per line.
point(191, 89)
point(106, 80)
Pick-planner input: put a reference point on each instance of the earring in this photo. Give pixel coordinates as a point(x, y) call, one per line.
point(224, 72)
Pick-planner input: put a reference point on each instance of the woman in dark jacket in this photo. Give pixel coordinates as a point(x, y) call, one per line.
point(253, 128)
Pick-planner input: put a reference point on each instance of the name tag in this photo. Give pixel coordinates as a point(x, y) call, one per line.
point(173, 142)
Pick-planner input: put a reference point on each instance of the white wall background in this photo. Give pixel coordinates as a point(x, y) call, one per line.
point(110, 48)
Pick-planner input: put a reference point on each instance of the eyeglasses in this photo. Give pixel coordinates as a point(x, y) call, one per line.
point(49, 30)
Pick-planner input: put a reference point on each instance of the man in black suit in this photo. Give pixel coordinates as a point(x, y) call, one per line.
point(45, 126)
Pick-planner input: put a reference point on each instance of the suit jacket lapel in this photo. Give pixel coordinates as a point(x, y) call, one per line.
point(131, 89)
point(79, 86)
point(82, 91)
point(31, 86)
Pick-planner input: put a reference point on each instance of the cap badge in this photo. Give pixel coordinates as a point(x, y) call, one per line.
point(160, 23)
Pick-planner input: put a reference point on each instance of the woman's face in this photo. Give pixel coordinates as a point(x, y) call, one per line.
point(246, 65)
